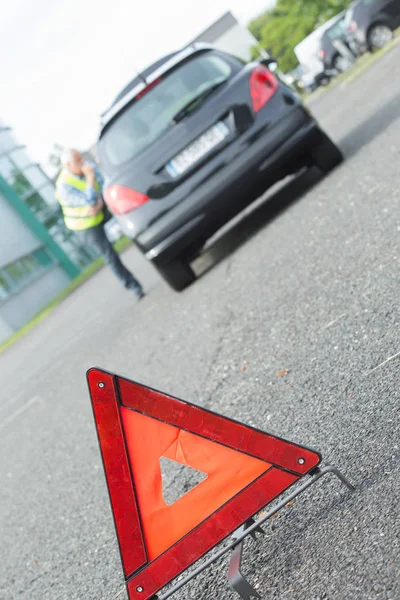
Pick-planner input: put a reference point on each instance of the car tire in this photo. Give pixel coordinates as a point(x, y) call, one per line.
point(178, 274)
point(341, 63)
point(322, 79)
point(379, 36)
point(325, 154)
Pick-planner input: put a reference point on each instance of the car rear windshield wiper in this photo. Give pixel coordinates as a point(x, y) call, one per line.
point(196, 101)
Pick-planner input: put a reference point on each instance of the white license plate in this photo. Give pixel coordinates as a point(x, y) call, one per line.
point(193, 153)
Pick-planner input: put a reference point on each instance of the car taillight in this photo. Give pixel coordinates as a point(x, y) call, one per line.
point(353, 27)
point(122, 200)
point(322, 53)
point(263, 85)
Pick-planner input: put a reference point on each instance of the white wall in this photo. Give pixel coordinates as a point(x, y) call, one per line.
point(237, 41)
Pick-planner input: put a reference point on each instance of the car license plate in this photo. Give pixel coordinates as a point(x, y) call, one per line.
point(193, 153)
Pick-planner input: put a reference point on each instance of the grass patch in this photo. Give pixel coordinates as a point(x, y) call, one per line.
point(91, 270)
point(122, 244)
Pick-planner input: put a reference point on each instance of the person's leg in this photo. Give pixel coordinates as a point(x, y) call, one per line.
point(96, 237)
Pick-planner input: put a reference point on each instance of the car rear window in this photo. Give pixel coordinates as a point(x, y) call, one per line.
point(146, 119)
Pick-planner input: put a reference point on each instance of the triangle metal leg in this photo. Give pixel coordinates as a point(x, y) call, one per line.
point(235, 577)
point(237, 581)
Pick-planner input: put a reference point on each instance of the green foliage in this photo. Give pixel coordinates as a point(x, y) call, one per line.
point(255, 52)
point(257, 24)
point(282, 28)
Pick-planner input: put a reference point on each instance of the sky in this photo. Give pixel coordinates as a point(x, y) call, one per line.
point(64, 62)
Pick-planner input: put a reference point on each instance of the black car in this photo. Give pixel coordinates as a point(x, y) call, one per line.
point(370, 23)
point(194, 140)
point(335, 50)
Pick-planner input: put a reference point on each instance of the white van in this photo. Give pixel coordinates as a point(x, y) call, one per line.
point(307, 55)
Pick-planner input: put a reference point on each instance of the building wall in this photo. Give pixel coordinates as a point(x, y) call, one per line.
point(237, 41)
point(216, 29)
point(21, 307)
point(30, 276)
point(16, 239)
point(36, 191)
point(229, 35)
point(38, 255)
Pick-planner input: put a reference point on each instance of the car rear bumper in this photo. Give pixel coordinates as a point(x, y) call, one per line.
point(278, 152)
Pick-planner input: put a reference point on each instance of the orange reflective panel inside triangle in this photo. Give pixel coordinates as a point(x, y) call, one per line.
point(228, 472)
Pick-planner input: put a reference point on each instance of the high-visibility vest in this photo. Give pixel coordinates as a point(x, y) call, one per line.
point(77, 217)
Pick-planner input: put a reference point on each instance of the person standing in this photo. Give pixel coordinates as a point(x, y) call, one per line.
point(78, 190)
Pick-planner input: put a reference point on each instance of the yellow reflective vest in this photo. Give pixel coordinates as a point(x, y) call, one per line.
point(77, 218)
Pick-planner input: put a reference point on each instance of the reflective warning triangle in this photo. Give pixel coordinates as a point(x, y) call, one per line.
point(245, 470)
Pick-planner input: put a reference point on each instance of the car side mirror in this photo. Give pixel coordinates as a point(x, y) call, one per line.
point(270, 63)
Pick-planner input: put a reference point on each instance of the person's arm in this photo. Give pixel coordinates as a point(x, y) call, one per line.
point(72, 196)
point(91, 176)
point(95, 208)
point(90, 192)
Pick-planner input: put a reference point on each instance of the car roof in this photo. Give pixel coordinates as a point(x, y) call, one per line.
point(148, 76)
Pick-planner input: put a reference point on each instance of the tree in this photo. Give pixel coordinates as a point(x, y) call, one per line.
point(258, 23)
point(282, 28)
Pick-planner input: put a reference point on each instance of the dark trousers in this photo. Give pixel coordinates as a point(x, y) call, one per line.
point(96, 237)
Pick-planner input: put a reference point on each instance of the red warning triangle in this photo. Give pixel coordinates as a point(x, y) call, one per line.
point(245, 468)
point(228, 473)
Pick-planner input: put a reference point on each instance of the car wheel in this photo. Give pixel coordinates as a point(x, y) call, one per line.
point(325, 154)
point(379, 36)
point(178, 274)
point(341, 63)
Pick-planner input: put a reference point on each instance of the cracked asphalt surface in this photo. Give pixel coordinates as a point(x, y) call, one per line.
point(307, 282)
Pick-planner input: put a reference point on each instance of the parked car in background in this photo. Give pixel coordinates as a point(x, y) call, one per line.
point(194, 140)
point(294, 78)
point(312, 81)
point(302, 80)
point(370, 23)
point(315, 72)
point(335, 49)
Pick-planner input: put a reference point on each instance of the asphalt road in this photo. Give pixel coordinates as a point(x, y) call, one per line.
point(309, 282)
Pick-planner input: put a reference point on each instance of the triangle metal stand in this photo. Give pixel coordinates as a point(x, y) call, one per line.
point(235, 577)
point(237, 581)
